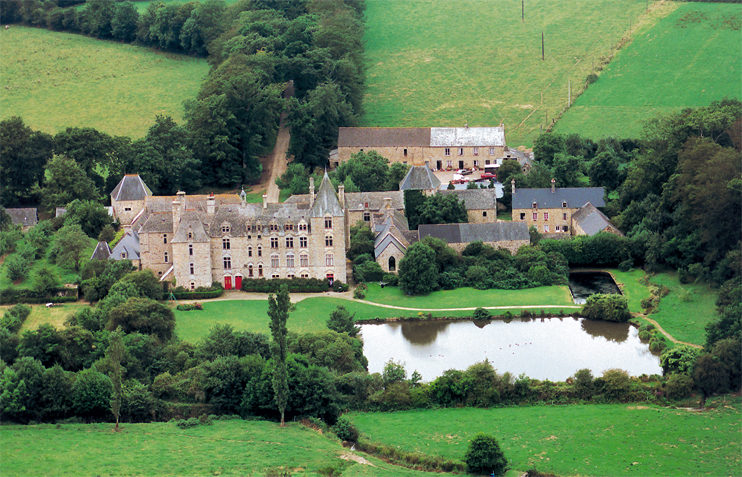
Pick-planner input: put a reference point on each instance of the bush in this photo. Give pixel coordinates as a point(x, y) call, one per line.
point(678, 386)
point(345, 429)
point(626, 265)
point(390, 280)
point(190, 306)
point(591, 78)
point(482, 314)
point(14, 318)
point(339, 287)
point(9, 296)
point(295, 285)
point(484, 456)
point(360, 292)
point(607, 307)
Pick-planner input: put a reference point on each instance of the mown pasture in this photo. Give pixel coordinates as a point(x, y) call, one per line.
point(57, 80)
point(605, 440)
point(162, 449)
point(443, 63)
point(687, 60)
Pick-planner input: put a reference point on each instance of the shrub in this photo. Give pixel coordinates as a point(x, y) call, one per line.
point(339, 287)
point(484, 456)
point(678, 386)
point(14, 318)
point(481, 314)
point(626, 265)
point(616, 384)
point(591, 78)
point(607, 307)
point(345, 429)
point(360, 292)
point(391, 280)
point(190, 306)
point(16, 266)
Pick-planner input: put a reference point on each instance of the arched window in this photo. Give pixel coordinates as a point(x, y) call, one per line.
point(392, 264)
point(249, 270)
point(260, 269)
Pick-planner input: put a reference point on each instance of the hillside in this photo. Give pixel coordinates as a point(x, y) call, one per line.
point(442, 63)
point(689, 59)
point(57, 80)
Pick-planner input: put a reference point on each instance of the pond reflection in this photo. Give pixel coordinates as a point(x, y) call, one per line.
point(584, 284)
point(541, 348)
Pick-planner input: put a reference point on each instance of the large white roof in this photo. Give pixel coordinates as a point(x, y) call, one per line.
point(466, 137)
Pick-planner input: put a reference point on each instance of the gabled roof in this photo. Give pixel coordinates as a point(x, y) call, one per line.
point(419, 178)
point(159, 222)
point(191, 222)
point(475, 199)
point(384, 137)
point(131, 187)
point(591, 220)
point(102, 251)
point(24, 217)
point(545, 199)
point(129, 245)
point(390, 228)
point(467, 233)
point(467, 137)
point(326, 201)
point(355, 201)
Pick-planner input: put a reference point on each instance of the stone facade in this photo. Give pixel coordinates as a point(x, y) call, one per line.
point(439, 148)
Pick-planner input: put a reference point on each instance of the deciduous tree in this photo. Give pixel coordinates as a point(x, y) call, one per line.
point(278, 311)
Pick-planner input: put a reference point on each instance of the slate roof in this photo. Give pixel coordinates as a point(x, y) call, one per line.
point(326, 202)
point(419, 178)
point(574, 197)
point(475, 199)
point(102, 251)
point(192, 222)
point(467, 233)
point(159, 222)
point(389, 229)
point(25, 217)
point(131, 187)
point(384, 137)
point(467, 137)
point(128, 244)
point(375, 200)
point(60, 211)
point(591, 220)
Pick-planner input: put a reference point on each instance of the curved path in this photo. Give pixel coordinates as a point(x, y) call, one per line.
point(668, 335)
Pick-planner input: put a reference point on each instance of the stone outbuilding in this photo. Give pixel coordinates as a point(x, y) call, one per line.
point(505, 235)
point(589, 221)
point(25, 217)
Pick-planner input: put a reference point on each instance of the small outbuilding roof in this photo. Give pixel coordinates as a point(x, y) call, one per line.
point(102, 251)
point(419, 178)
point(475, 199)
point(467, 233)
point(127, 248)
point(591, 220)
point(24, 217)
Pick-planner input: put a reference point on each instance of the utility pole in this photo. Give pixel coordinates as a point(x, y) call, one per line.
point(542, 45)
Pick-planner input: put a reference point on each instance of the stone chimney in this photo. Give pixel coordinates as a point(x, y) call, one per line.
point(512, 185)
point(211, 204)
point(178, 207)
point(341, 194)
point(553, 185)
point(265, 201)
point(311, 191)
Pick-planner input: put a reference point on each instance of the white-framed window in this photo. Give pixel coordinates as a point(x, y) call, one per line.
point(492, 151)
point(274, 261)
point(303, 227)
point(329, 260)
point(475, 151)
point(447, 151)
point(461, 151)
point(225, 243)
point(225, 229)
point(249, 271)
point(535, 216)
point(546, 228)
point(227, 263)
point(290, 260)
point(289, 242)
point(534, 205)
point(476, 163)
point(328, 222)
point(449, 163)
point(274, 242)
point(367, 217)
point(564, 204)
point(328, 240)
point(123, 255)
point(260, 269)
point(557, 228)
point(302, 242)
point(546, 216)
point(303, 261)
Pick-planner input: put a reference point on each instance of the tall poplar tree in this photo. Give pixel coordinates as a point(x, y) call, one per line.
point(115, 353)
point(278, 311)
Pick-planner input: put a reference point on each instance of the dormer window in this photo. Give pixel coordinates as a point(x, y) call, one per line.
point(225, 228)
point(564, 204)
point(534, 205)
point(288, 227)
point(190, 235)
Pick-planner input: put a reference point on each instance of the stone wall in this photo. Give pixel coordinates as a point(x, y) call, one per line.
point(383, 258)
point(482, 216)
point(152, 250)
point(125, 210)
point(436, 157)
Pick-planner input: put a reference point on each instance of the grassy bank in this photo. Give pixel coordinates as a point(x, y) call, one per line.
point(162, 449)
point(603, 440)
point(686, 310)
point(687, 59)
point(58, 80)
point(443, 63)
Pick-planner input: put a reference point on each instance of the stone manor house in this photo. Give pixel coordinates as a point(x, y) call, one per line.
point(194, 240)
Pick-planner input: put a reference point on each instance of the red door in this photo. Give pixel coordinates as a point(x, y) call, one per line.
point(227, 283)
point(238, 282)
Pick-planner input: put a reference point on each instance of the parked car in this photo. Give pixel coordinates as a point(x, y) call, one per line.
point(464, 172)
point(488, 175)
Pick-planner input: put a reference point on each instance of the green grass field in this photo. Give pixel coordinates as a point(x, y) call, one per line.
point(600, 440)
point(57, 80)
point(227, 448)
point(444, 63)
point(688, 59)
point(686, 310)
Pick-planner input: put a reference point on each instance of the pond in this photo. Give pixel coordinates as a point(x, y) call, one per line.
point(540, 348)
point(584, 284)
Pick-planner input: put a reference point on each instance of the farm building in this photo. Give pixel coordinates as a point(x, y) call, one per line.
point(506, 235)
point(26, 218)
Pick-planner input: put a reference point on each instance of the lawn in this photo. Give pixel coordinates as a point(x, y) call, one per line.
point(604, 440)
point(686, 310)
point(631, 287)
point(444, 63)
point(470, 297)
point(162, 449)
point(688, 59)
point(57, 80)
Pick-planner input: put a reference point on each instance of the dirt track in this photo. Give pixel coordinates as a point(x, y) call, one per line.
point(275, 163)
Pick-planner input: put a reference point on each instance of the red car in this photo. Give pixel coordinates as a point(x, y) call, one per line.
point(488, 175)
